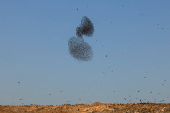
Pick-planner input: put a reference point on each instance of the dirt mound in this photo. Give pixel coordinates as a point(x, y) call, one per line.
point(96, 107)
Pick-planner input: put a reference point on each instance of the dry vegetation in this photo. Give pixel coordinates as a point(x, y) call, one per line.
point(90, 108)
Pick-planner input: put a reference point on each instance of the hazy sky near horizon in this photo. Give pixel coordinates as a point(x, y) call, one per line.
point(34, 51)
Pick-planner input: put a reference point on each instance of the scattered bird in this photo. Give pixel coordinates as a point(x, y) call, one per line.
point(144, 77)
point(61, 91)
point(162, 28)
point(151, 92)
point(125, 98)
point(142, 14)
point(157, 24)
point(138, 91)
point(49, 94)
point(18, 82)
point(113, 91)
point(122, 5)
point(79, 99)
point(106, 55)
point(111, 22)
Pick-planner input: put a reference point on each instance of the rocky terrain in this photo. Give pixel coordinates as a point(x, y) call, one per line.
point(96, 107)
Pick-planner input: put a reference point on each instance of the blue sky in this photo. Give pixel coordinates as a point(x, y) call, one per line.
point(34, 51)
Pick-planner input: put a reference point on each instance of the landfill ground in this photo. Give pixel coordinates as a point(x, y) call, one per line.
point(96, 107)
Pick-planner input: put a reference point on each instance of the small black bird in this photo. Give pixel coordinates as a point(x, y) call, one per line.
point(106, 55)
point(18, 82)
point(77, 9)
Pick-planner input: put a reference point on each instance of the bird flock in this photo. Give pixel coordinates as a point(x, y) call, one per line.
point(78, 48)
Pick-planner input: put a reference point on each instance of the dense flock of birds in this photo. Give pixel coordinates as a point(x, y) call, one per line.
point(78, 48)
point(82, 51)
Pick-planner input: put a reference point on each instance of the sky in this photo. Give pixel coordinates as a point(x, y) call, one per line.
point(34, 51)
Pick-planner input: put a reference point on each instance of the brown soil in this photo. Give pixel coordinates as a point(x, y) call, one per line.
point(96, 107)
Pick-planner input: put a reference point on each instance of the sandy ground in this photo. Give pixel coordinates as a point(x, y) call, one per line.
point(96, 107)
